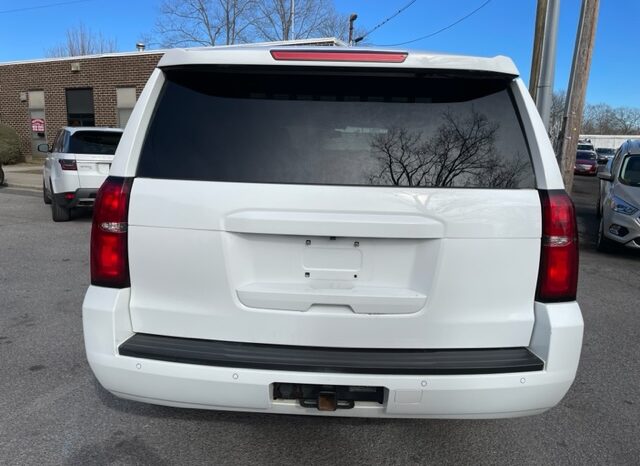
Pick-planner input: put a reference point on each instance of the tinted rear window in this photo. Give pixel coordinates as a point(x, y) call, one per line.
point(585, 155)
point(94, 142)
point(337, 128)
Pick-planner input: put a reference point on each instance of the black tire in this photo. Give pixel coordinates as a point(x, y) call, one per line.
point(45, 197)
point(603, 243)
point(1, 176)
point(59, 213)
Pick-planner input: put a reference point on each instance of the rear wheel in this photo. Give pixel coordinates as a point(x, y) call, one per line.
point(604, 244)
point(58, 212)
point(45, 197)
point(1, 176)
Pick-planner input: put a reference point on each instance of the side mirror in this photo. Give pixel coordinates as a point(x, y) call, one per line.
point(43, 148)
point(605, 176)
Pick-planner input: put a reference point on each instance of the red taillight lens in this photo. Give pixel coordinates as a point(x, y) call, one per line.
point(345, 55)
point(109, 256)
point(67, 164)
point(558, 277)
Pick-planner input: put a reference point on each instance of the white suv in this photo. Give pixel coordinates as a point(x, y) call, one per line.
point(75, 167)
point(335, 231)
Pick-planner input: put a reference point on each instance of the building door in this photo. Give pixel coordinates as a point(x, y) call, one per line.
point(37, 121)
point(80, 107)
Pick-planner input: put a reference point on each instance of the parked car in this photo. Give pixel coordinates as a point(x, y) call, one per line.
point(75, 167)
point(619, 199)
point(339, 231)
point(586, 145)
point(586, 163)
point(605, 154)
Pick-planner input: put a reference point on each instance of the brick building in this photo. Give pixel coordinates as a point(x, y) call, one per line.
point(37, 97)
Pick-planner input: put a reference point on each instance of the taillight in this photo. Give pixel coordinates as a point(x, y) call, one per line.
point(344, 55)
point(558, 277)
point(67, 164)
point(109, 256)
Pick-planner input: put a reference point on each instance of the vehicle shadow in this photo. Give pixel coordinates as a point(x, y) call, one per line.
point(82, 215)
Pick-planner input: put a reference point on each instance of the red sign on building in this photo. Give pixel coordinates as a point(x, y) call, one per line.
point(37, 125)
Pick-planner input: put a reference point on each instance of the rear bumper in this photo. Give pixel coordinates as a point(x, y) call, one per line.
point(556, 339)
point(83, 197)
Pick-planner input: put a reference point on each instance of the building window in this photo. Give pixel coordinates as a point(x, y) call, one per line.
point(125, 101)
point(80, 107)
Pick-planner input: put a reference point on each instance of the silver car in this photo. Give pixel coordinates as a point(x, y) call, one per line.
point(619, 199)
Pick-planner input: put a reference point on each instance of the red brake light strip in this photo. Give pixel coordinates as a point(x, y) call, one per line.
point(339, 56)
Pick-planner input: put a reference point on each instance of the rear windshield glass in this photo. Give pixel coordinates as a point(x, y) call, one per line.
point(586, 155)
point(585, 147)
point(94, 142)
point(630, 173)
point(336, 128)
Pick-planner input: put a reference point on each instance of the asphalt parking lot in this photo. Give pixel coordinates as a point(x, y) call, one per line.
point(52, 411)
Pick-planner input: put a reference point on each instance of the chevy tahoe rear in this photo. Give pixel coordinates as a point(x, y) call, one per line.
point(335, 231)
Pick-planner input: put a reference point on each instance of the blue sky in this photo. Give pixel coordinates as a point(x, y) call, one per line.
point(502, 27)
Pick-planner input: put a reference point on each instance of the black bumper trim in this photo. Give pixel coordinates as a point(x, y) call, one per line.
point(341, 360)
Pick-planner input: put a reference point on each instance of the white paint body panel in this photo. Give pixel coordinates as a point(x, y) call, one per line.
point(469, 256)
point(557, 338)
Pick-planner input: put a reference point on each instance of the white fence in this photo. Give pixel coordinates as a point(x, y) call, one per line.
point(611, 141)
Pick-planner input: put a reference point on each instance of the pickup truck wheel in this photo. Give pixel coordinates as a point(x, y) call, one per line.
point(45, 196)
point(59, 213)
point(604, 244)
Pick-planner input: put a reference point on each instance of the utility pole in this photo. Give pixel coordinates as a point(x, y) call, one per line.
point(538, 38)
point(544, 94)
point(352, 18)
point(543, 60)
point(293, 19)
point(576, 90)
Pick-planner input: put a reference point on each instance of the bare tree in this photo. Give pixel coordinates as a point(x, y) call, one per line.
point(274, 20)
point(216, 22)
point(80, 40)
point(604, 119)
point(203, 22)
point(461, 153)
point(556, 116)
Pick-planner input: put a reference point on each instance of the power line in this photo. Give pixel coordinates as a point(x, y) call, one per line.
point(387, 20)
point(443, 29)
point(29, 8)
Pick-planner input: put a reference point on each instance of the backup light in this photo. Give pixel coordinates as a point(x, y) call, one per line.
point(339, 56)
